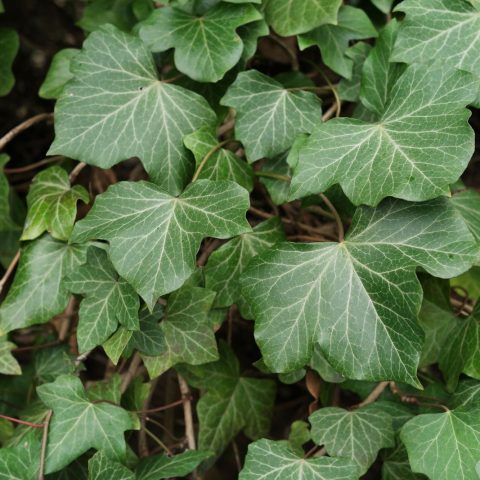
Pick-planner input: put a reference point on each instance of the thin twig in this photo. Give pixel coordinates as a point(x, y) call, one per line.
point(202, 259)
point(374, 394)
point(157, 440)
point(291, 53)
point(187, 412)
point(22, 127)
point(131, 372)
point(22, 422)
point(33, 166)
point(44, 444)
point(228, 125)
point(329, 204)
point(75, 172)
point(329, 113)
point(163, 407)
point(37, 347)
point(9, 271)
point(205, 159)
point(273, 175)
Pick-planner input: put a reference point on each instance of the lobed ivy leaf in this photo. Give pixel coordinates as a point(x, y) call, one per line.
point(38, 292)
point(21, 462)
point(383, 5)
point(357, 435)
point(78, 425)
point(59, 74)
point(290, 17)
point(424, 118)
point(8, 363)
point(349, 90)
point(269, 460)
point(270, 116)
point(333, 40)
point(446, 30)
point(226, 264)
point(467, 204)
point(52, 205)
point(49, 363)
point(444, 445)
point(9, 44)
point(358, 299)
point(116, 108)
point(101, 467)
point(206, 46)
point(467, 394)
point(397, 467)
point(109, 300)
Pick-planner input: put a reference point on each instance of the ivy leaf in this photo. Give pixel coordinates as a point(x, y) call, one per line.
point(467, 204)
point(8, 363)
point(227, 263)
point(49, 363)
point(38, 292)
point(383, 5)
point(444, 445)
point(467, 394)
point(78, 425)
point(154, 236)
point(425, 116)
point(333, 40)
point(269, 460)
point(349, 90)
point(109, 300)
point(9, 44)
point(149, 339)
point(299, 436)
point(116, 108)
point(187, 331)
point(161, 466)
point(59, 74)
point(291, 17)
point(206, 46)
point(269, 116)
point(357, 435)
point(397, 467)
point(461, 352)
point(332, 293)
point(21, 462)
point(52, 205)
point(115, 346)
point(446, 30)
point(220, 163)
point(101, 467)
point(278, 190)
point(6, 222)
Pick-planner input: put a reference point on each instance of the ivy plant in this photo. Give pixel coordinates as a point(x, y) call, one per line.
point(249, 246)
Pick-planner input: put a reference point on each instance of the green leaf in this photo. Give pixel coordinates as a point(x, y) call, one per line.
point(21, 462)
point(9, 44)
point(149, 339)
point(467, 204)
point(397, 467)
point(332, 293)
point(383, 5)
point(59, 74)
point(109, 300)
point(227, 263)
point(115, 346)
point(269, 116)
point(349, 90)
point(446, 30)
point(154, 237)
point(206, 46)
point(299, 436)
point(357, 435)
point(38, 292)
point(333, 40)
point(269, 460)
point(290, 17)
point(78, 425)
point(461, 352)
point(52, 205)
point(6, 222)
point(161, 466)
point(116, 108)
point(444, 445)
point(100, 467)
point(278, 190)
point(467, 394)
point(220, 164)
point(187, 331)
point(425, 117)
point(8, 363)
point(51, 362)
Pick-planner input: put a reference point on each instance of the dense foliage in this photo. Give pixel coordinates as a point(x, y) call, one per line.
point(253, 248)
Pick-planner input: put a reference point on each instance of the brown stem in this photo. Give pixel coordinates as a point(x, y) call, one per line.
point(187, 412)
point(202, 259)
point(22, 422)
point(33, 166)
point(374, 394)
point(163, 407)
point(131, 372)
point(23, 126)
point(44, 445)
point(329, 113)
point(37, 347)
point(291, 53)
point(76, 171)
point(329, 204)
point(9, 271)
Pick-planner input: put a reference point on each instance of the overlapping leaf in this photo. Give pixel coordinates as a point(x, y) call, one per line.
point(9, 44)
point(116, 108)
point(154, 236)
point(358, 299)
point(8, 363)
point(467, 204)
point(425, 118)
point(21, 462)
point(206, 46)
point(101, 467)
point(59, 74)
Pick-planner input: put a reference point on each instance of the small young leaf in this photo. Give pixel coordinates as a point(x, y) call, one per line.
point(101, 467)
point(9, 44)
point(299, 436)
point(206, 46)
point(8, 363)
point(78, 425)
point(154, 236)
point(21, 462)
point(59, 74)
point(49, 363)
point(467, 204)
point(349, 90)
point(269, 116)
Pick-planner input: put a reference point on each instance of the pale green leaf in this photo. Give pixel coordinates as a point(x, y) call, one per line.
point(425, 118)
point(52, 205)
point(21, 462)
point(333, 40)
point(227, 263)
point(206, 46)
point(116, 344)
point(357, 435)
point(467, 204)
point(349, 90)
point(444, 446)
point(221, 164)
point(8, 363)
point(269, 116)
point(290, 17)
point(299, 435)
point(49, 363)
point(38, 292)
point(154, 236)
point(384, 5)
point(467, 394)
point(9, 44)
point(446, 30)
point(100, 467)
point(78, 425)
point(116, 108)
point(109, 300)
point(269, 460)
point(59, 74)
point(333, 293)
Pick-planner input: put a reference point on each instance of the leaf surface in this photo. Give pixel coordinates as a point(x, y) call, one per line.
point(8, 363)
point(59, 74)
point(9, 44)
point(100, 467)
